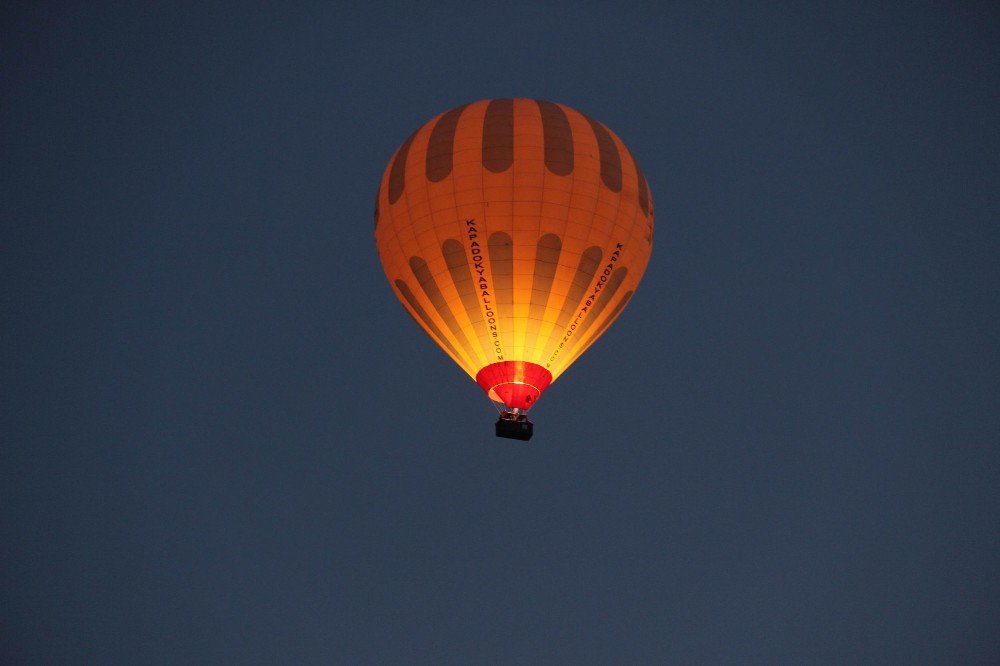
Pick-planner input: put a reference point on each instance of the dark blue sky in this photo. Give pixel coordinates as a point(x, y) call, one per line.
point(225, 442)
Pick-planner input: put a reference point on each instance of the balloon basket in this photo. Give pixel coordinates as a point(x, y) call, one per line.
point(512, 425)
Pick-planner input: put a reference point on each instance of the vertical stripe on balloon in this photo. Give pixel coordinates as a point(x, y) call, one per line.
point(643, 188)
point(585, 272)
point(607, 293)
point(441, 146)
point(461, 275)
point(397, 175)
point(425, 319)
point(611, 162)
point(558, 137)
point(434, 295)
point(546, 262)
point(498, 135)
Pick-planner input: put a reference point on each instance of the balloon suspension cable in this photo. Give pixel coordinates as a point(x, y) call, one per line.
point(503, 409)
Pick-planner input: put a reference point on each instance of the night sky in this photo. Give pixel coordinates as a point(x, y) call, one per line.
point(225, 442)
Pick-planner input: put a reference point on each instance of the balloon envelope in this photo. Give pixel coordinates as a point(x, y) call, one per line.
point(514, 231)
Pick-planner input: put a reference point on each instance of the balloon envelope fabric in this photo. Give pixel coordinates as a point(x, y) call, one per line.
point(514, 232)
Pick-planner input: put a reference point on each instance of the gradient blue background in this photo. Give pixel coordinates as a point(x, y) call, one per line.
point(225, 442)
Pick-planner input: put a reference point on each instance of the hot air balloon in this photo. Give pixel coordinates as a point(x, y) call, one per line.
point(514, 232)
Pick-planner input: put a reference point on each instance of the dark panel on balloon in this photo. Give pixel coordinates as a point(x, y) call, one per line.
point(603, 298)
point(546, 262)
point(441, 146)
point(585, 272)
point(498, 135)
point(611, 162)
point(558, 138)
point(397, 175)
point(404, 290)
point(433, 292)
point(458, 267)
point(643, 186)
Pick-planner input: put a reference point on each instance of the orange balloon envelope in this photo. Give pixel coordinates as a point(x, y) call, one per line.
point(514, 231)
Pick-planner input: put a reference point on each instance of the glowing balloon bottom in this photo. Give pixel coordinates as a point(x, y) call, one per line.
point(517, 384)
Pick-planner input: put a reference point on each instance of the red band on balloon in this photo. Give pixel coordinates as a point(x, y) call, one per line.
point(517, 384)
